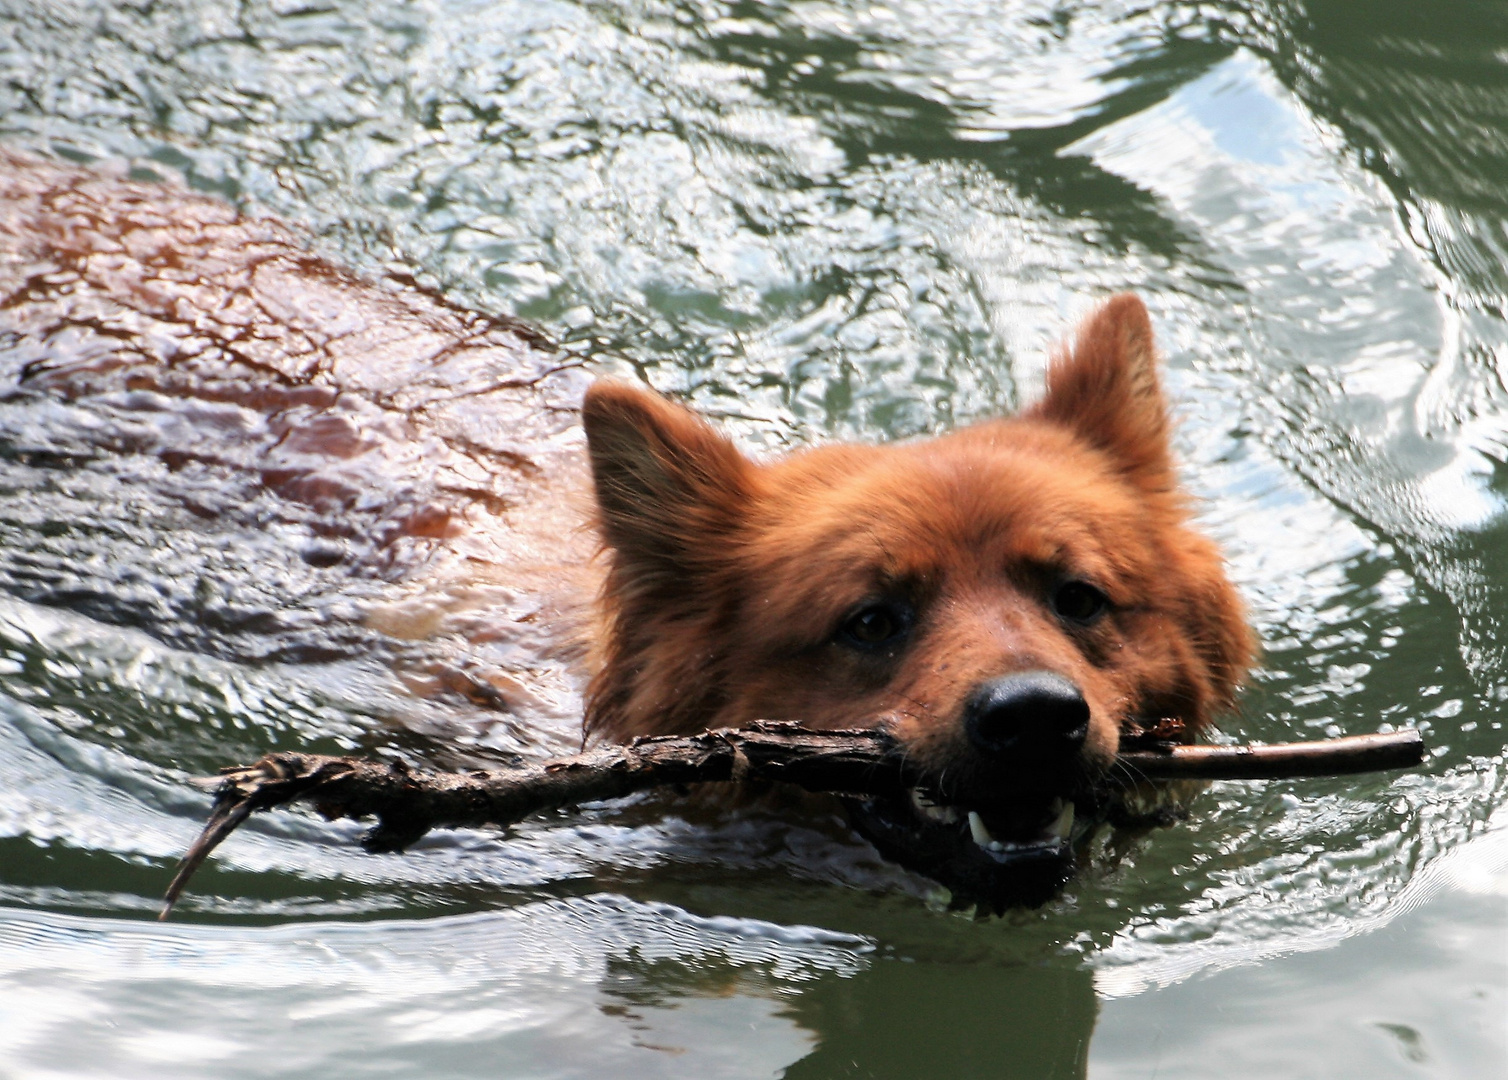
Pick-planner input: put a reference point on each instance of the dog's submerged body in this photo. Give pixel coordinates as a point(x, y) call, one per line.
point(1005, 600)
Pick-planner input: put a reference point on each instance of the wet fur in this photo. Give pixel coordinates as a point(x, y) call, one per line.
point(728, 581)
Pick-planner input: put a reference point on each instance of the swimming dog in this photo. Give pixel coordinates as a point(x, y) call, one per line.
point(1007, 600)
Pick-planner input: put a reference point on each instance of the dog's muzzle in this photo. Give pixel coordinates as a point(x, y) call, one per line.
point(1003, 832)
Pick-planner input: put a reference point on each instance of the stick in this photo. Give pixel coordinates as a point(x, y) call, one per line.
point(408, 804)
point(1325, 757)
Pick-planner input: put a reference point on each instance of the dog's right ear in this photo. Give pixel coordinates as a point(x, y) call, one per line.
point(670, 489)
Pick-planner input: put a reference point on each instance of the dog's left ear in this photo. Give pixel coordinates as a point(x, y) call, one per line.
point(670, 489)
point(1107, 390)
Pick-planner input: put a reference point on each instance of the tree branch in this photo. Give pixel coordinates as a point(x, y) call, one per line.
point(407, 804)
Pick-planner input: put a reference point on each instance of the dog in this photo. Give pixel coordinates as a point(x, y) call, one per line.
point(1006, 600)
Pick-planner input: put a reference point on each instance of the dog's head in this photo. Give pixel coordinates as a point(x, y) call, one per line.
point(1004, 599)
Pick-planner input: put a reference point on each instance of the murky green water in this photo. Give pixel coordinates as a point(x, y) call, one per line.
point(810, 219)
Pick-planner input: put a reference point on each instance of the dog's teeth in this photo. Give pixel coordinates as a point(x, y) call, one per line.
point(1064, 823)
point(996, 845)
point(981, 835)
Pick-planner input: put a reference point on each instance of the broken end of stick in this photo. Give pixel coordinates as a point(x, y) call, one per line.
point(231, 808)
point(1410, 747)
point(240, 791)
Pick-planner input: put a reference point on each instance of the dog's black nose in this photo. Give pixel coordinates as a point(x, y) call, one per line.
point(1035, 713)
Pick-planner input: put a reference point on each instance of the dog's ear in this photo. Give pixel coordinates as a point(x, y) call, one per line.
point(672, 497)
point(1106, 389)
point(670, 490)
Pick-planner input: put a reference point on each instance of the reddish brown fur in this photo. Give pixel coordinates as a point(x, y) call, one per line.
point(728, 580)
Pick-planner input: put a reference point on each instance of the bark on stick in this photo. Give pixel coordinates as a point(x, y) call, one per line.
point(408, 803)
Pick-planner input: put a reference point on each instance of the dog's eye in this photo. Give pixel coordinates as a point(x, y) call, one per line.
point(1079, 601)
point(875, 626)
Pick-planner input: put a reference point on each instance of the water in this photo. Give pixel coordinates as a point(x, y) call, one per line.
point(811, 220)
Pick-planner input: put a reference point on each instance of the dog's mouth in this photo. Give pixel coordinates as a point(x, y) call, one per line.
point(997, 855)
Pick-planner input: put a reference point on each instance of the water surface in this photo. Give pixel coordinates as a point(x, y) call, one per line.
point(811, 220)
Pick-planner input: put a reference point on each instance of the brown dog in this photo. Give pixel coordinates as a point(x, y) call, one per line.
point(1005, 600)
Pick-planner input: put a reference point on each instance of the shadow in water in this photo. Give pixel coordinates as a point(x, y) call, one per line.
point(910, 1020)
point(916, 1019)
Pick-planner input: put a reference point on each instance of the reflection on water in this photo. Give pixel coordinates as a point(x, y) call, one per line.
point(451, 998)
point(810, 219)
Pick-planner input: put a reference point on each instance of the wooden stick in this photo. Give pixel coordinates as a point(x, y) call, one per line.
point(407, 804)
point(1324, 757)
